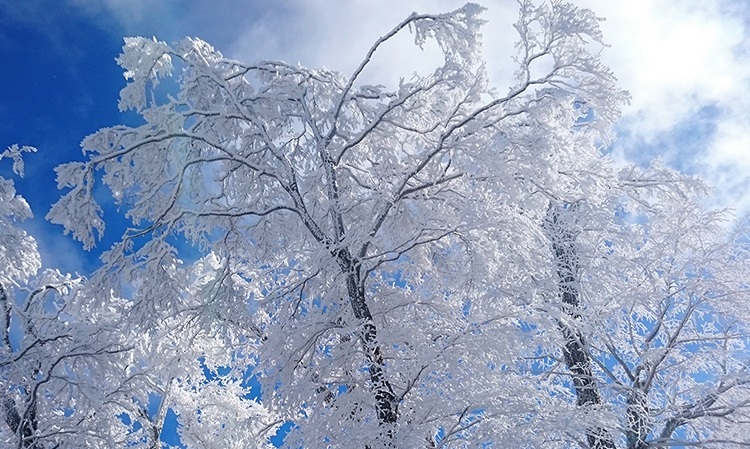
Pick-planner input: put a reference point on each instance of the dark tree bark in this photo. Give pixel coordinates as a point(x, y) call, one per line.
point(637, 429)
point(385, 399)
point(577, 357)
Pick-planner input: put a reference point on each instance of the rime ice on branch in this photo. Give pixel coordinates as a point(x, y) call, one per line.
point(384, 252)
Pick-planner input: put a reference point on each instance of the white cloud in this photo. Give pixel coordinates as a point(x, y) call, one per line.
point(128, 13)
point(678, 58)
point(337, 34)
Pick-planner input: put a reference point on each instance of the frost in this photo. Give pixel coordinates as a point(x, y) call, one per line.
point(144, 61)
point(14, 152)
point(421, 265)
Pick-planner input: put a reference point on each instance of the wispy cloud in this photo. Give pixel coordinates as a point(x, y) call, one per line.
point(687, 66)
point(337, 34)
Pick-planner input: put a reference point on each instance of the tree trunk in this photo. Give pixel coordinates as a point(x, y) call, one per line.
point(577, 358)
point(385, 399)
point(637, 430)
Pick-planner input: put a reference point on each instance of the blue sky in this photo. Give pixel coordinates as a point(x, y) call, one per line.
point(686, 64)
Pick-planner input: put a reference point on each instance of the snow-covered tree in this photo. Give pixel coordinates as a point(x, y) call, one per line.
point(75, 372)
point(651, 312)
point(433, 264)
point(53, 341)
point(356, 214)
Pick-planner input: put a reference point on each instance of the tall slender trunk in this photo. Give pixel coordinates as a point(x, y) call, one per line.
point(385, 399)
point(386, 402)
point(577, 357)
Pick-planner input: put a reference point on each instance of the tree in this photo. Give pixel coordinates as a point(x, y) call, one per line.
point(427, 265)
point(347, 208)
point(52, 340)
point(662, 337)
point(75, 373)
